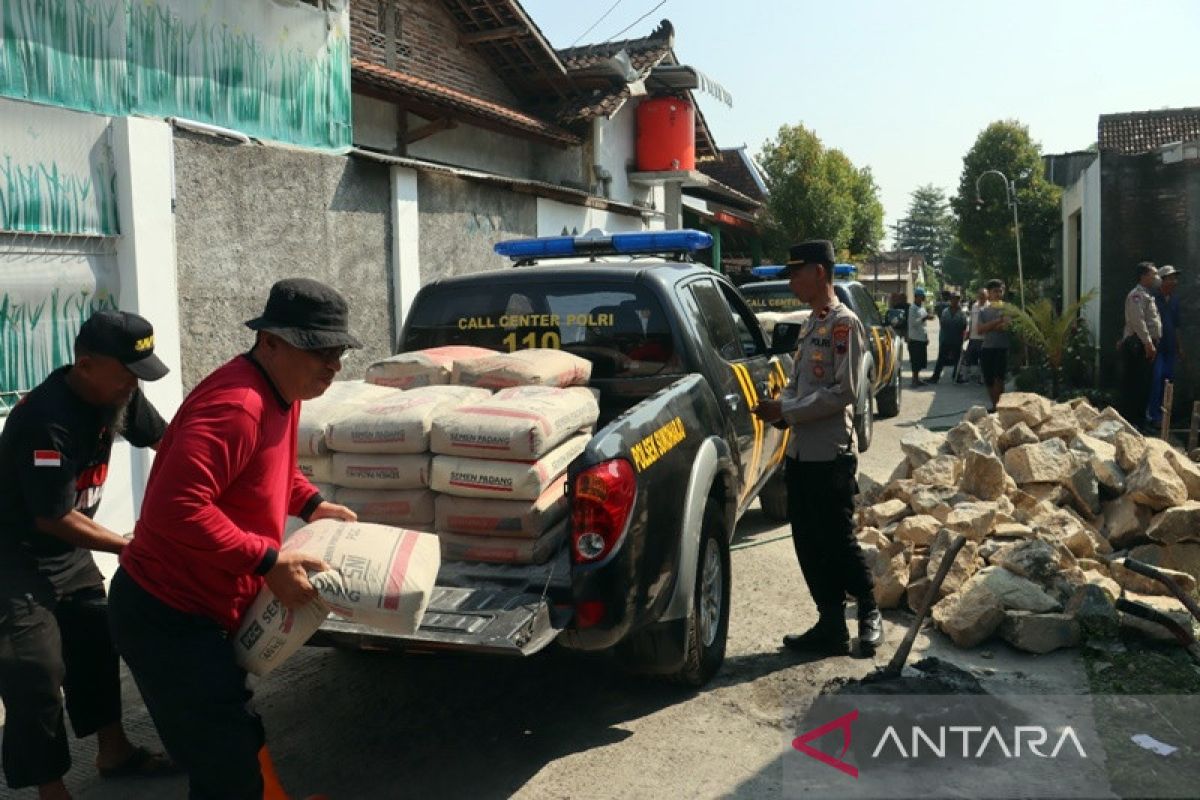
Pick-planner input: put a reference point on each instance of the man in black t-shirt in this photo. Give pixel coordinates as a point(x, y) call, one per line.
point(54, 635)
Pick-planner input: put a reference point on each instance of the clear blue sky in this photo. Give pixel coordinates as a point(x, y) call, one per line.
point(905, 86)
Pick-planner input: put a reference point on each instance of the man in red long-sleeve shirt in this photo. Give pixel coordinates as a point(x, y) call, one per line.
point(222, 485)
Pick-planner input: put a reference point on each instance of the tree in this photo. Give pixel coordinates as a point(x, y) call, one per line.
point(928, 227)
point(818, 193)
point(985, 230)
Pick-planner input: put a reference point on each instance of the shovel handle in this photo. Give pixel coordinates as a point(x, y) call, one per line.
point(901, 655)
point(1144, 569)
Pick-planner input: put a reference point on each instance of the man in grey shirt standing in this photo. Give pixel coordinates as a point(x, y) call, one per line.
point(993, 358)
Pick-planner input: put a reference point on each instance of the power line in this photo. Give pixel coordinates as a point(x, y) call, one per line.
point(603, 17)
point(636, 21)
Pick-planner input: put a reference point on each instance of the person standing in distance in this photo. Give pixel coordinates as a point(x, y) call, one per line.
point(951, 333)
point(1139, 345)
point(1170, 348)
point(54, 637)
point(224, 482)
point(993, 356)
point(918, 337)
point(822, 466)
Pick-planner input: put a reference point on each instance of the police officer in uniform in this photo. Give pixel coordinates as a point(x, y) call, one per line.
point(1139, 345)
point(822, 465)
point(54, 634)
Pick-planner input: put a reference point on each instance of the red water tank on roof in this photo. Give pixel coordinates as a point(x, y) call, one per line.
point(666, 134)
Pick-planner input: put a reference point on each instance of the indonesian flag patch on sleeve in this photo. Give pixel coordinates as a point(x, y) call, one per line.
point(47, 458)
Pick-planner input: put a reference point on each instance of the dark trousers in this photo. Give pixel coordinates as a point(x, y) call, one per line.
point(194, 689)
point(948, 355)
point(821, 509)
point(49, 648)
point(1138, 374)
point(918, 355)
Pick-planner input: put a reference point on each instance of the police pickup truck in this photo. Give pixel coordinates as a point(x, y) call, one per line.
point(778, 309)
point(679, 361)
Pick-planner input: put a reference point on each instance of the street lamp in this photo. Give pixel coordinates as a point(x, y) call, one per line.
point(1010, 193)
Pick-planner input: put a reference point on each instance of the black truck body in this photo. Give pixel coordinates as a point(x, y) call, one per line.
point(679, 361)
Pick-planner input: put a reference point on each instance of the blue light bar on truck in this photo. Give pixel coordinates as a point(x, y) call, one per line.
point(844, 271)
point(646, 243)
point(767, 271)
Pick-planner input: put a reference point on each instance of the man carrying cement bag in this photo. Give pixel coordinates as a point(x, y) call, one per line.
point(520, 425)
point(209, 538)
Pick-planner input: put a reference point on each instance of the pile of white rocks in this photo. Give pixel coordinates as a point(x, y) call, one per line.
point(1052, 498)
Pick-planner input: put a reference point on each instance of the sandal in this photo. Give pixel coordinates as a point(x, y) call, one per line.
point(141, 763)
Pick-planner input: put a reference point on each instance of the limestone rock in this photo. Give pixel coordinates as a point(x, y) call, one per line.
point(915, 593)
point(969, 616)
point(962, 437)
point(1063, 427)
point(888, 572)
point(975, 413)
point(1081, 486)
point(1124, 522)
point(1086, 415)
point(1135, 582)
point(1016, 436)
point(1110, 414)
point(873, 537)
point(921, 445)
point(1015, 592)
point(1164, 605)
point(990, 546)
point(1156, 485)
point(1027, 507)
point(1187, 470)
point(983, 475)
point(1063, 528)
point(1102, 457)
point(1110, 587)
point(939, 471)
point(1183, 557)
point(1014, 407)
point(1175, 525)
point(1045, 462)
point(903, 470)
point(1053, 494)
point(973, 520)
point(1094, 610)
point(1039, 633)
point(870, 491)
point(901, 489)
point(917, 567)
point(917, 530)
point(930, 502)
point(1035, 559)
point(1130, 450)
point(881, 514)
point(991, 430)
point(1012, 530)
point(962, 568)
point(1092, 564)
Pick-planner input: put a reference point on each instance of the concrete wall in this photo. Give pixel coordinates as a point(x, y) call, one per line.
point(615, 146)
point(247, 216)
point(460, 220)
point(1150, 210)
point(564, 219)
point(1081, 242)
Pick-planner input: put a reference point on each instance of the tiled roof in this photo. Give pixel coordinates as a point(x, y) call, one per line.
point(508, 38)
point(731, 168)
point(644, 52)
point(435, 94)
point(1143, 131)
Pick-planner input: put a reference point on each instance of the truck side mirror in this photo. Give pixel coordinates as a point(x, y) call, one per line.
point(785, 337)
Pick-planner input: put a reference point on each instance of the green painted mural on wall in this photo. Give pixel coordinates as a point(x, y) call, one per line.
point(273, 71)
point(38, 198)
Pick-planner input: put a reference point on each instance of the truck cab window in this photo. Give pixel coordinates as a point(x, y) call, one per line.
point(716, 320)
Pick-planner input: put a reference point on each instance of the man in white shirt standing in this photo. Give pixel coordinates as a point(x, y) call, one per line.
point(918, 337)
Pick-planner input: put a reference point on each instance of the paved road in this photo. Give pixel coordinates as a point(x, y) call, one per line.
point(370, 725)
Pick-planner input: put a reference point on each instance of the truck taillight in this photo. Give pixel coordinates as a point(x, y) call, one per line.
point(601, 502)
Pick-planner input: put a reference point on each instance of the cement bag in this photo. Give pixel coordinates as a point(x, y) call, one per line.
point(318, 469)
point(379, 576)
point(270, 633)
point(423, 367)
point(399, 425)
point(521, 426)
point(502, 550)
point(484, 516)
point(537, 367)
point(504, 480)
point(316, 414)
point(381, 470)
point(403, 508)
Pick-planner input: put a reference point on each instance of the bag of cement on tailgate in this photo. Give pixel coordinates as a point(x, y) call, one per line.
point(502, 550)
point(537, 367)
point(399, 425)
point(428, 367)
point(318, 469)
point(483, 516)
point(381, 470)
point(379, 576)
point(521, 426)
point(270, 633)
point(505, 480)
point(318, 413)
point(402, 508)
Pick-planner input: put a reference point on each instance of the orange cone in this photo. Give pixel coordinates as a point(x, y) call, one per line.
point(272, 788)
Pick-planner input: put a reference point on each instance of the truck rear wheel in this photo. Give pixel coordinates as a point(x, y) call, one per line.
point(708, 621)
point(888, 399)
point(773, 498)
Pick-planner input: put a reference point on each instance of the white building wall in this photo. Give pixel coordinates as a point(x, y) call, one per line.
point(563, 219)
point(1083, 198)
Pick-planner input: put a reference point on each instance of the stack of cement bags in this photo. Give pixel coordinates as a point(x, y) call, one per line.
point(379, 576)
point(499, 470)
point(315, 418)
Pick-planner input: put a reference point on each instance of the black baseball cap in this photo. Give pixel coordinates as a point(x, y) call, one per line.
point(813, 251)
point(306, 314)
point(125, 337)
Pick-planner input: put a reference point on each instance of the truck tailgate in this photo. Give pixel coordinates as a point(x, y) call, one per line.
point(499, 609)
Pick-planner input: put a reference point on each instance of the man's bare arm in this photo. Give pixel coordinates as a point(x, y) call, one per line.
point(81, 531)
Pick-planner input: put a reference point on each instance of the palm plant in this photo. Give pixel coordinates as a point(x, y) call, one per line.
point(1048, 332)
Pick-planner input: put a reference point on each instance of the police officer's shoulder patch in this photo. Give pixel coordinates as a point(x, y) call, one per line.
point(841, 336)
